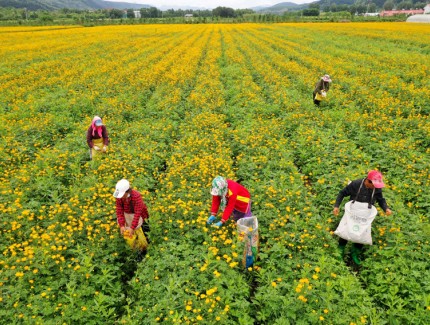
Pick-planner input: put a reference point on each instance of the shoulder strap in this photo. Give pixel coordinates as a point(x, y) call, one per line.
point(359, 189)
point(358, 192)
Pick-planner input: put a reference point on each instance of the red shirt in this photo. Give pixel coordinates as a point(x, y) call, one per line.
point(132, 204)
point(238, 198)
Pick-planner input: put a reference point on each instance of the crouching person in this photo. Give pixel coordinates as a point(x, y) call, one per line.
point(132, 215)
point(97, 137)
point(233, 198)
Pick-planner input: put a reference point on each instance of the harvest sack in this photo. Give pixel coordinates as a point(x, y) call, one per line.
point(356, 223)
point(99, 143)
point(319, 97)
point(138, 241)
point(247, 229)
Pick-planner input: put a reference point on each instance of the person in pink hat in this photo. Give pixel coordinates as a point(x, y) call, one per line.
point(367, 190)
point(321, 89)
point(97, 137)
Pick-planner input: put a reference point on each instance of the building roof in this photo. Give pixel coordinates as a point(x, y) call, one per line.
point(402, 12)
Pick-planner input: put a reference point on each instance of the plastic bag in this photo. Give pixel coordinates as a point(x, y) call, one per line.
point(356, 223)
point(138, 241)
point(247, 229)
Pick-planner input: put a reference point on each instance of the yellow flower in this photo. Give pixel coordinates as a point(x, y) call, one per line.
point(302, 298)
point(274, 284)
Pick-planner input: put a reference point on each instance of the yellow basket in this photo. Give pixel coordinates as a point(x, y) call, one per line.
point(138, 241)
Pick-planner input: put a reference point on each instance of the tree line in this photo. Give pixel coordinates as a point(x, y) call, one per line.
point(10, 13)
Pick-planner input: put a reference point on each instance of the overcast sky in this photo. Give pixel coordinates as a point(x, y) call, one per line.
point(235, 4)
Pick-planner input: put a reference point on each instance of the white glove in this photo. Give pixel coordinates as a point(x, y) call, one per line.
point(96, 148)
point(104, 148)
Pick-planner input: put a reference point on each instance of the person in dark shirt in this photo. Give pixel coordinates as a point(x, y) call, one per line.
point(366, 190)
point(321, 88)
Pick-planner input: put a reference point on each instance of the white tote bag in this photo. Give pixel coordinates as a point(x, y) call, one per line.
point(356, 223)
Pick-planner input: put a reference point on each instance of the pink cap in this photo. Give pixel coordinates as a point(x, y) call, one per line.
point(376, 178)
point(326, 78)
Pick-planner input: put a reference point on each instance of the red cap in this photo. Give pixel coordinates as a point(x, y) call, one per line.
point(376, 178)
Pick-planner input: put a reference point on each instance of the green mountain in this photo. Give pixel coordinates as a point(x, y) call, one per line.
point(70, 4)
point(279, 8)
point(338, 2)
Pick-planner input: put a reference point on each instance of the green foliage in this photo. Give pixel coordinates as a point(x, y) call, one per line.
point(184, 103)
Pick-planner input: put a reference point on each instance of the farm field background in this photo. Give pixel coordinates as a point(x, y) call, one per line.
point(184, 103)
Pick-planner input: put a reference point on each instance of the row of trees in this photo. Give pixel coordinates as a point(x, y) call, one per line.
point(391, 4)
point(370, 5)
point(152, 12)
point(361, 7)
point(223, 12)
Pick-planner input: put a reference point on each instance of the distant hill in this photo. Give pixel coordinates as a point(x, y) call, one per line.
point(338, 2)
point(281, 7)
point(71, 4)
point(291, 6)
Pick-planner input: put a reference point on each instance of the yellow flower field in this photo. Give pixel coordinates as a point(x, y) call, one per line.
point(183, 104)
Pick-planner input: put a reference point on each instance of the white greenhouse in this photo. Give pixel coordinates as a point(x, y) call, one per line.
point(418, 19)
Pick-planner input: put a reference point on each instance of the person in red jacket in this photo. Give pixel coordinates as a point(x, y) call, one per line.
point(233, 199)
point(131, 211)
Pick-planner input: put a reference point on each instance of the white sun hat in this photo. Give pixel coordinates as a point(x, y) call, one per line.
point(121, 187)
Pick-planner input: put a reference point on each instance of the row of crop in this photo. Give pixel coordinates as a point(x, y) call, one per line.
point(191, 273)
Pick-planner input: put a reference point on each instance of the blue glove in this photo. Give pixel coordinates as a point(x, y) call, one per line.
point(218, 224)
point(210, 220)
